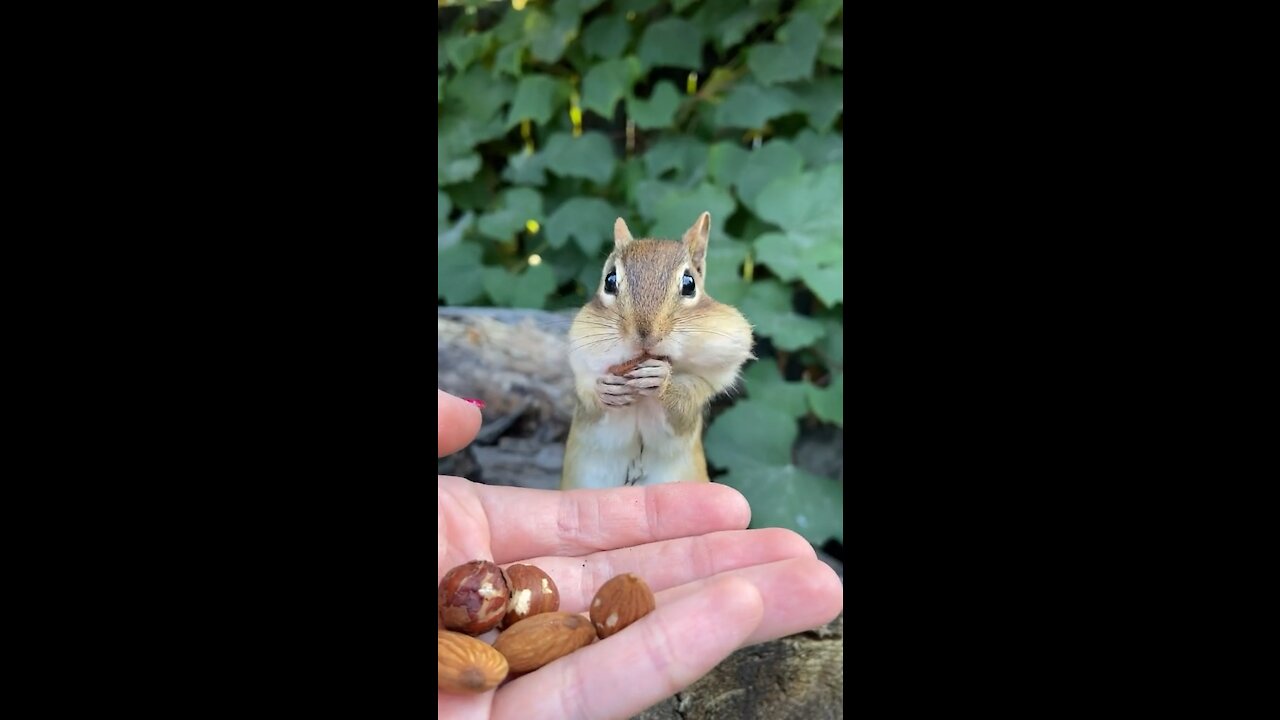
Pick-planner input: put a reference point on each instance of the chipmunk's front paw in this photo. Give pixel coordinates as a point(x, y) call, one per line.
point(613, 391)
point(649, 377)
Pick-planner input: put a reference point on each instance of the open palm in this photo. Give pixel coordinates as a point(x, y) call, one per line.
point(718, 586)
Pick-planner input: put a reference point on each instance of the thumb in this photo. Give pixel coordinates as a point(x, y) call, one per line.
point(458, 422)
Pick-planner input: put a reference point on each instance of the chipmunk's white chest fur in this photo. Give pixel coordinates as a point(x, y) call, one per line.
point(632, 445)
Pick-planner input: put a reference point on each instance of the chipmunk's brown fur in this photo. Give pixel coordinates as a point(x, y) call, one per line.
point(645, 427)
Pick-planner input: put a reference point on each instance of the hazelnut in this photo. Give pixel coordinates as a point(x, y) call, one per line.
point(473, 597)
point(532, 592)
point(620, 602)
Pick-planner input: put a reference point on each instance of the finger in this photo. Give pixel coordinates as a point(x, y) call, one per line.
point(670, 563)
point(646, 382)
point(799, 594)
point(648, 371)
point(527, 523)
point(661, 654)
point(457, 422)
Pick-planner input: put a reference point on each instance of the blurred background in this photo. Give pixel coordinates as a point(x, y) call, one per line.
point(556, 117)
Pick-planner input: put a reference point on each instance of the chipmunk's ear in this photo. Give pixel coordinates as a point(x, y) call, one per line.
point(695, 240)
point(621, 235)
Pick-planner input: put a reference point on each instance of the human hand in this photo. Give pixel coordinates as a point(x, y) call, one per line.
point(718, 586)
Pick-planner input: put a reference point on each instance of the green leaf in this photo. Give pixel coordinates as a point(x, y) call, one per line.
point(581, 6)
point(608, 82)
point(451, 235)
point(528, 289)
point(452, 168)
point(765, 384)
point(462, 50)
point(786, 496)
point(826, 280)
point(822, 100)
point(819, 149)
point(832, 51)
point(651, 192)
point(679, 5)
point(749, 434)
point(444, 206)
point(477, 95)
point(683, 153)
point(459, 271)
point(725, 161)
point(774, 160)
point(439, 89)
point(607, 36)
point(672, 42)
point(729, 21)
point(525, 168)
point(811, 204)
point(750, 106)
point(832, 345)
point(589, 220)
point(678, 210)
point(781, 254)
point(792, 57)
point(537, 97)
point(510, 58)
point(767, 306)
point(517, 206)
point(550, 35)
point(810, 210)
point(659, 110)
point(724, 270)
point(590, 156)
point(823, 10)
point(638, 7)
point(828, 402)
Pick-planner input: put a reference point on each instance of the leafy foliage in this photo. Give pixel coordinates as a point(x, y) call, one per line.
point(561, 116)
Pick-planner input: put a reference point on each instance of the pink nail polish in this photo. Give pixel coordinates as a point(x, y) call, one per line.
point(475, 401)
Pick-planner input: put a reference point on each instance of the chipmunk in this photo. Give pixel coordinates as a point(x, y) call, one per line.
point(648, 353)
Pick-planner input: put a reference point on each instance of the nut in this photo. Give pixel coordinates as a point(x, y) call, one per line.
point(532, 592)
point(625, 367)
point(539, 639)
point(467, 665)
point(473, 597)
point(620, 602)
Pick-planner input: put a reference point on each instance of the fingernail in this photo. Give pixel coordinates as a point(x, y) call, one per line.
point(475, 401)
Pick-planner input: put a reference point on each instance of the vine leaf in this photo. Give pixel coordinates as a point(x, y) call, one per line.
point(588, 220)
point(658, 110)
point(590, 156)
point(671, 42)
point(792, 57)
point(767, 306)
point(608, 82)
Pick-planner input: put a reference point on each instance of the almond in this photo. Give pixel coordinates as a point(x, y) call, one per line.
point(467, 665)
point(620, 602)
point(539, 639)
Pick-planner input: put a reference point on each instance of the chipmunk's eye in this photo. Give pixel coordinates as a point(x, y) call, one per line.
point(687, 286)
point(611, 283)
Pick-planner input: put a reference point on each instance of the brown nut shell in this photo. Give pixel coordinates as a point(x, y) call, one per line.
point(620, 602)
point(540, 639)
point(625, 367)
point(467, 665)
point(473, 597)
point(533, 592)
